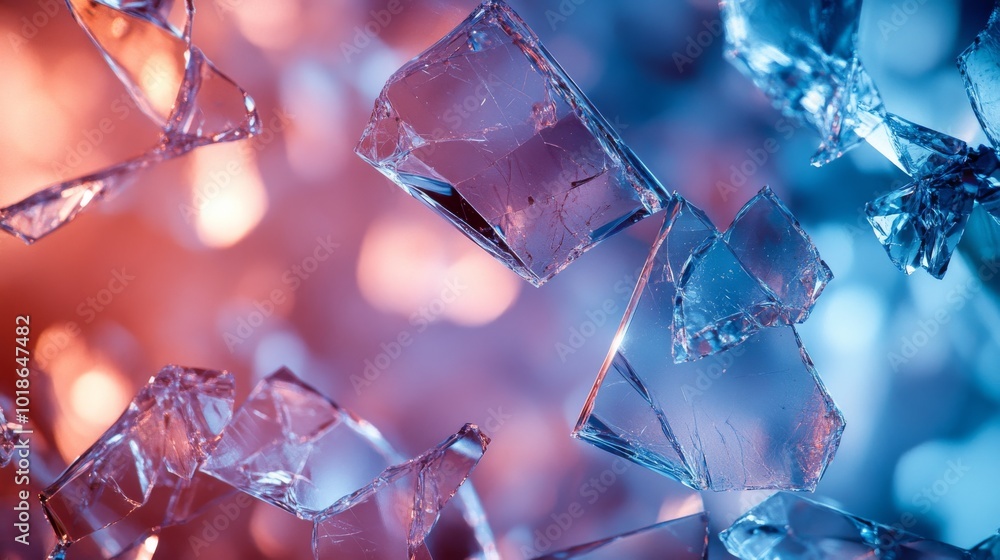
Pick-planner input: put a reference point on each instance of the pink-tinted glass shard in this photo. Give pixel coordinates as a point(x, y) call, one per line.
point(771, 245)
point(141, 474)
point(791, 527)
point(678, 539)
point(392, 516)
point(753, 416)
point(291, 446)
point(45, 211)
point(486, 128)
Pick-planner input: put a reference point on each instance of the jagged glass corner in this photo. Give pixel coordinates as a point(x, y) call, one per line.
point(487, 129)
point(803, 55)
point(392, 517)
point(989, 549)
point(791, 527)
point(980, 70)
point(142, 474)
point(678, 539)
point(296, 449)
point(700, 422)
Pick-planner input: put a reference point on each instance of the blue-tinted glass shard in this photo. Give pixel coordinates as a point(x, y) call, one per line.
point(391, 517)
point(288, 445)
point(486, 128)
point(793, 528)
point(771, 245)
point(754, 416)
point(678, 539)
point(988, 549)
point(718, 303)
point(803, 54)
point(917, 150)
point(689, 228)
point(921, 224)
point(980, 66)
point(142, 474)
point(7, 440)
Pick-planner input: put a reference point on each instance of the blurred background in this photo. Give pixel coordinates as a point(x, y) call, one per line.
point(183, 266)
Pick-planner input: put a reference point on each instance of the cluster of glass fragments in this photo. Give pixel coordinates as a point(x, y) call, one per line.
point(707, 380)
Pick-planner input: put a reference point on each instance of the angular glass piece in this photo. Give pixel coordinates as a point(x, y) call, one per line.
point(771, 245)
point(751, 417)
point(143, 473)
point(980, 67)
point(392, 516)
point(148, 45)
point(790, 527)
point(988, 549)
point(486, 128)
point(921, 224)
point(678, 539)
point(292, 447)
point(7, 440)
point(917, 150)
point(803, 54)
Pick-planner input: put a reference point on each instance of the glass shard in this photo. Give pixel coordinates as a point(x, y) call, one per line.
point(763, 272)
point(7, 440)
point(678, 539)
point(149, 48)
point(917, 150)
point(292, 447)
point(771, 245)
point(754, 416)
point(143, 473)
point(988, 549)
point(392, 516)
point(488, 130)
point(980, 69)
point(790, 527)
point(804, 56)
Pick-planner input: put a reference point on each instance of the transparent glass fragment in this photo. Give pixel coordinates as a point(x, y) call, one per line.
point(142, 474)
point(7, 440)
point(751, 417)
point(804, 55)
point(392, 517)
point(488, 130)
point(988, 549)
point(678, 539)
point(917, 150)
point(981, 71)
point(148, 45)
point(791, 527)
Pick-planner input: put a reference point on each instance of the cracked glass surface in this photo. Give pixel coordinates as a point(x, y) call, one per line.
point(753, 416)
point(148, 45)
point(804, 56)
point(678, 539)
point(391, 517)
point(142, 474)
point(488, 130)
point(791, 527)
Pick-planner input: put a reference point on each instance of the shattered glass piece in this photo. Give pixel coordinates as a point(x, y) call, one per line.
point(771, 245)
point(788, 526)
point(148, 45)
point(981, 71)
point(921, 224)
point(488, 130)
point(395, 513)
point(917, 150)
point(719, 304)
point(678, 539)
point(43, 212)
point(142, 473)
point(804, 56)
point(284, 441)
point(755, 416)
point(7, 440)
point(988, 549)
